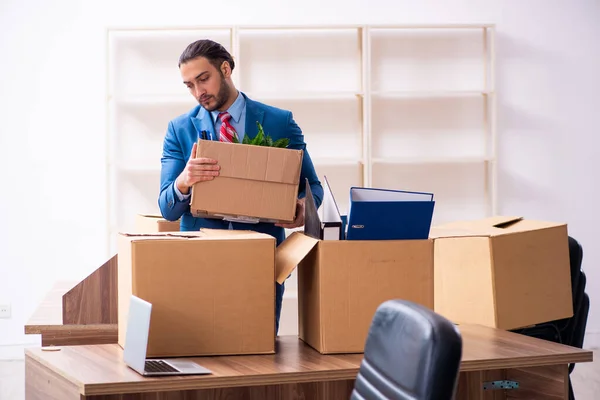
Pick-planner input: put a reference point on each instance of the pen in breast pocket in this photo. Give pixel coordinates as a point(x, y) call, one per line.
point(204, 135)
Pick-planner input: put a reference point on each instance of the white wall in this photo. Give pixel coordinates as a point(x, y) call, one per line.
point(52, 120)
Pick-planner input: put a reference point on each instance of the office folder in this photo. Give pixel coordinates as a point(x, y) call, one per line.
point(381, 214)
point(324, 223)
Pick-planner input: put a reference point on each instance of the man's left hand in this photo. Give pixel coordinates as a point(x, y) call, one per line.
point(299, 220)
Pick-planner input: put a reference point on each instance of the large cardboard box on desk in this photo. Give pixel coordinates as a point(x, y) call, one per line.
point(502, 272)
point(341, 283)
point(212, 292)
point(146, 223)
point(255, 183)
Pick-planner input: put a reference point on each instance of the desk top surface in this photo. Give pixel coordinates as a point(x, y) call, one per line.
point(49, 312)
point(99, 369)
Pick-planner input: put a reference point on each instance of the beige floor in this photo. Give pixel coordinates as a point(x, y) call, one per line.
point(586, 380)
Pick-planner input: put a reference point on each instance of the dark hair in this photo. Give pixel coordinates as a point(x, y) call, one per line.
point(214, 52)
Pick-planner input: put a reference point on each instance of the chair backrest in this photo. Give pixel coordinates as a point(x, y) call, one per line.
point(410, 353)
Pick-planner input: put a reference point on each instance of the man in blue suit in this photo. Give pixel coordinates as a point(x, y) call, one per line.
point(206, 68)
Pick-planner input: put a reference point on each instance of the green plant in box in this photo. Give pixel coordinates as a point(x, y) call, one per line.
point(262, 140)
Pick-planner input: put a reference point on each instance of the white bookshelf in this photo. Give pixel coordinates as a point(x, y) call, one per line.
point(399, 107)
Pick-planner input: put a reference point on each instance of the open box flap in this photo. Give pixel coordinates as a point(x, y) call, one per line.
point(479, 227)
point(500, 221)
point(505, 225)
point(163, 235)
point(490, 222)
point(291, 252)
point(217, 234)
point(490, 227)
point(155, 216)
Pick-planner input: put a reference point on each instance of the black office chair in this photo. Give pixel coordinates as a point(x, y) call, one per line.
point(410, 353)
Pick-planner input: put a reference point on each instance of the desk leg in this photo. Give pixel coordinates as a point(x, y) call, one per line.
point(44, 384)
point(548, 382)
point(332, 390)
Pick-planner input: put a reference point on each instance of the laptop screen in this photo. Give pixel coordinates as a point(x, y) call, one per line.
point(136, 337)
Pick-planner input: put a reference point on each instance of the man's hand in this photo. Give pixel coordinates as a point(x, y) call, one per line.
point(196, 170)
point(299, 220)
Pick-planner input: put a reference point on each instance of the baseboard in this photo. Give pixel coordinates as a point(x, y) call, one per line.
point(9, 352)
point(591, 340)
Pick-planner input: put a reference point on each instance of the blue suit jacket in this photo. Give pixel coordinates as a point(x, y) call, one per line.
point(184, 130)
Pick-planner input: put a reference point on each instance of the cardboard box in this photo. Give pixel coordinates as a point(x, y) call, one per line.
point(154, 223)
point(255, 183)
point(212, 292)
point(502, 272)
point(341, 283)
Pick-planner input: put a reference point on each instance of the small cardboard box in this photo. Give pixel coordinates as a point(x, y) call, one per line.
point(255, 183)
point(502, 272)
point(341, 283)
point(212, 292)
point(146, 223)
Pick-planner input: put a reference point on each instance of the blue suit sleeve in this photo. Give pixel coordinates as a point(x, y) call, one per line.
point(308, 169)
point(171, 202)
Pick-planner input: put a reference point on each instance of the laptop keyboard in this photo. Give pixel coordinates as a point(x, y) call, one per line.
point(158, 366)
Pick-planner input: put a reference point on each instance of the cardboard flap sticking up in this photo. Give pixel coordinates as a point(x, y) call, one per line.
point(490, 227)
point(291, 252)
point(208, 234)
point(166, 235)
point(479, 227)
point(504, 225)
point(503, 222)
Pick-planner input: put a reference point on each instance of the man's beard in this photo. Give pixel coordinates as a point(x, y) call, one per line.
point(222, 97)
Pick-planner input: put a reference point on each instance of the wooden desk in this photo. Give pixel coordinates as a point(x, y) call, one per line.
point(82, 312)
point(47, 320)
point(296, 371)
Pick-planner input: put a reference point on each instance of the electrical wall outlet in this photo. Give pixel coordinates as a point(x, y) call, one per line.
point(4, 310)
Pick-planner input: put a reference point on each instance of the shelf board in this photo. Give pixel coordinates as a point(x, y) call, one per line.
point(430, 26)
point(441, 93)
point(144, 167)
point(431, 160)
point(331, 28)
point(265, 96)
point(153, 99)
point(332, 161)
point(165, 31)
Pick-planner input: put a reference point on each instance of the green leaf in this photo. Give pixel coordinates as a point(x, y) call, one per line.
point(258, 139)
point(262, 139)
point(260, 128)
point(283, 142)
point(235, 138)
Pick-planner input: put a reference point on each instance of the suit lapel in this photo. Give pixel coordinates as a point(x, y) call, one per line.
point(203, 122)
point(254, 113)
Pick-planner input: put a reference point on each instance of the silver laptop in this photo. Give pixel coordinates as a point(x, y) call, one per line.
point(136, 345)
